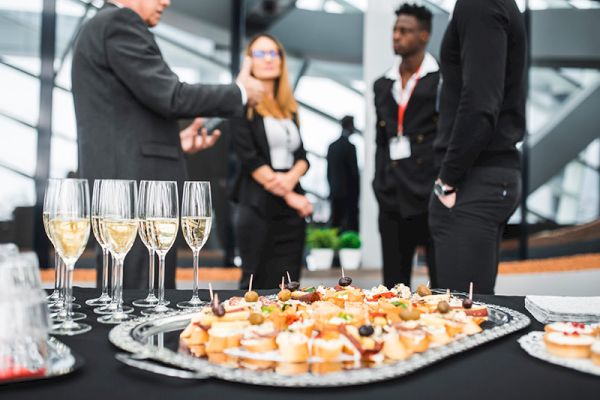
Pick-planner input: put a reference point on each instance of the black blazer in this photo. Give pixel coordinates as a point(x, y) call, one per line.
point(252, 148)
point(342, 169)
point(404, 185)
point(127, 101)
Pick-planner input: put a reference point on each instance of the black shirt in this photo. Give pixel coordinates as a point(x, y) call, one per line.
point(482, 97)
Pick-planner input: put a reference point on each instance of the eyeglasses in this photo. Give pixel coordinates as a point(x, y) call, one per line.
point(264, 53)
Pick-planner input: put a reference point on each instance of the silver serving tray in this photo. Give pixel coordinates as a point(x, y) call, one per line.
point(61, 361)
point(137, 336)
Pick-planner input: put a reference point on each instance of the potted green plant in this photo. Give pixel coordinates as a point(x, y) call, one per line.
point(350, 250)
point(322, 243)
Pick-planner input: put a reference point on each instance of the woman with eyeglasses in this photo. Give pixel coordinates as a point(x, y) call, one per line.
point(272, 207)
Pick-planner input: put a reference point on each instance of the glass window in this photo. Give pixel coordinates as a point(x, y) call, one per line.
point(63, 157)
point(20, 95)
point(17, 191)
point(20, 27)
point(63, 114)
point(19, 146)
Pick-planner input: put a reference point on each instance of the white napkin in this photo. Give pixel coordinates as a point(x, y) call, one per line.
point(548, 309)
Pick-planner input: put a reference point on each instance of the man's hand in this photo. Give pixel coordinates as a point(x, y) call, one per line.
point(254, 88)
point(192, 143)
point(280, 184)
point(299, 203)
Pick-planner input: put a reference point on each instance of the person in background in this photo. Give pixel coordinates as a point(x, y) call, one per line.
point(405, 104)
point(272, 207)
point(344, 179)
point(127, 104)
point(482, 117)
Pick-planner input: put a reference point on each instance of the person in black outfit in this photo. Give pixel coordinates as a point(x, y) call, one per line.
point(272, 207)
point(127, 103)
point(404, 167)
point(343, 178)
point(482, 117)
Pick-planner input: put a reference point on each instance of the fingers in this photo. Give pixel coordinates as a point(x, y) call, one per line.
point(246, 68)
point(197, 123)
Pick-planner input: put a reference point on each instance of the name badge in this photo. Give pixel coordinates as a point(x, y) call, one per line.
point(399, 148)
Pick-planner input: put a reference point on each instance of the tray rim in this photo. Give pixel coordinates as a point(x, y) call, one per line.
point(121, 337)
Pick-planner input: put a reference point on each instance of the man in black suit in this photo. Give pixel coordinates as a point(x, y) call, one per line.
point(343, 178)
point(127, 103)
point(482, 117)
point(405, 100)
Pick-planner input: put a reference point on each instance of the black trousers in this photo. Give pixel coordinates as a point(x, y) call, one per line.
point(344, 213)
point(270, 245)
point(399, 238)
point(467, 237)
point(135, 267)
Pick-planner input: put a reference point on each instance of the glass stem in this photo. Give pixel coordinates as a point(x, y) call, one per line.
point(69, 293)
point(119, 288)
point(61, 270)
point(56, 272)
point(115, 280)
point(161, 278)
point(195, 288)
point(151, 273)
point(104, 272)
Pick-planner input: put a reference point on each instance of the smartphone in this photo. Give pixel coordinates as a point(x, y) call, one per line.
point(212, 123)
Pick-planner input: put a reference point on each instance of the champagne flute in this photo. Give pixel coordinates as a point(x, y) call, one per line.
point(151, 300)
point(196, 220)
point(160, 222)
point(96, 220)
point(49, 198)
point(69, 223)
point(118, 228)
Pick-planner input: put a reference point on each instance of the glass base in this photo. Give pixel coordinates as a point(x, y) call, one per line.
point(59, 306)
point(116, 318)
point(111, 309)
point(70, 328)
point(53, 298)
point(161, 309)
point(103, 300)
point(194, 302)
point(150, 301)
point(62, 316)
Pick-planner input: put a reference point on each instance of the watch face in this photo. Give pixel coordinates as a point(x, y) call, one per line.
point(438, 189)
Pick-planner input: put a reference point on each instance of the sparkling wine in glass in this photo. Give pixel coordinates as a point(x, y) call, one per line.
point(159, 215)
point(119, 225)
point(196, 220)
point(69, 226)
point(104, 298)
point(151, 300)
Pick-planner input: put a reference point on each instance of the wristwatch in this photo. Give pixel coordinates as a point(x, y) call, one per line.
point(441, 189)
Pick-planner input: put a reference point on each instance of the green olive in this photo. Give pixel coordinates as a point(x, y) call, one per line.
point(256, 319)
point(443, 307)
point(409, 315)
point(423, 290)
point(251, 297)
point(284, 295)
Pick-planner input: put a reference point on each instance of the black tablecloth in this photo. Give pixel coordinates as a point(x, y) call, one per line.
point(497, 370)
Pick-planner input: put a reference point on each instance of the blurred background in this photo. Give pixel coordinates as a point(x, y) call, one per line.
point(336, 49)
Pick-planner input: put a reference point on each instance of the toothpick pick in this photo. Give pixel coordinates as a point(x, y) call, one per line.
point(282, 283)
point(250, 285)
point(217, 298)
point(343, 275)
point(471, 291)
point(210, 290)
point(448, 292)
point(288, 274)
point(428, 283)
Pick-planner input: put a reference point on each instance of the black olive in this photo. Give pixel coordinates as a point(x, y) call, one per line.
point(219, 311)
point(467, 303)
point(345, 281)
point(292, 286)
point(366, 330)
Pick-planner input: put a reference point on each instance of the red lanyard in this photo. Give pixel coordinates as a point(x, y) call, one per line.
point(403, 104)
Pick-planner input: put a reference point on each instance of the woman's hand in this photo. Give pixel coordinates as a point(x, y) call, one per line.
point(299, 203)
point(281, 184)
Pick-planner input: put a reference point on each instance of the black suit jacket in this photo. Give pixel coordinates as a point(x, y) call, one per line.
point(342, 169)
point(252, 149)
point(404, 185)
point(127, 101)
